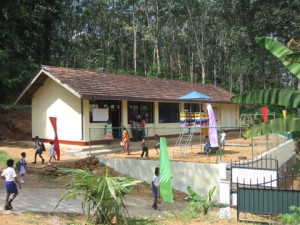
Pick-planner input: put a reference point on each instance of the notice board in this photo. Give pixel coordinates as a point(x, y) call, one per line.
point(100, 114)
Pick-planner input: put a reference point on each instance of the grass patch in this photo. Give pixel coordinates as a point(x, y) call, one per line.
point(33, 220)
point(140, 221)
point(4, 157)
point(186, 215)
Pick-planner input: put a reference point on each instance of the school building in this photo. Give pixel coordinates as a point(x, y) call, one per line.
point(83, 100)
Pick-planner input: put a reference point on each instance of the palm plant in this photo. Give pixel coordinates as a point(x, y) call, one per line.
point(103, 195)
point(281, 97)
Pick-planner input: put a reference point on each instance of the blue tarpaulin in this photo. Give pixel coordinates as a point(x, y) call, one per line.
point(194, 95)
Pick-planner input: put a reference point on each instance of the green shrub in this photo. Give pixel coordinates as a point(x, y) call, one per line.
point(291, 218)
point(103, 195)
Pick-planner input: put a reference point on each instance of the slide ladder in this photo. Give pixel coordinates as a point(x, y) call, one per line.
point(183, 143)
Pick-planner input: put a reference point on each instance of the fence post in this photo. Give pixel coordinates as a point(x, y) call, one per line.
point(224, 190)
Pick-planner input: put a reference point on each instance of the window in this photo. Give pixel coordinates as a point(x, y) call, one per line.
point(193, 107)
point(137, 110)
point(168, 112)
point(101, 110)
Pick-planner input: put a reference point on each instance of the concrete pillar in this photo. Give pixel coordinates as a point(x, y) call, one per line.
point(224, 191)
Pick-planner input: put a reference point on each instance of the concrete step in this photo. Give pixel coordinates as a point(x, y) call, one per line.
point(86, 151)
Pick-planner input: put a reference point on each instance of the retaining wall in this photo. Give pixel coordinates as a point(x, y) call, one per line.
point(201, 177)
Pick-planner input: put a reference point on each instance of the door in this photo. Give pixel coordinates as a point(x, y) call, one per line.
point(115, 117)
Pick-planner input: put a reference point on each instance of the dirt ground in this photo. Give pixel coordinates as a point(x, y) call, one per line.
point(235, 148)
point(16, 125)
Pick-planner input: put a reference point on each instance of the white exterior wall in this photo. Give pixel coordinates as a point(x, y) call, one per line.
point(53, 100)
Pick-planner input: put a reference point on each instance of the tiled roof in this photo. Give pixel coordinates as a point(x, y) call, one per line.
point(103, 85)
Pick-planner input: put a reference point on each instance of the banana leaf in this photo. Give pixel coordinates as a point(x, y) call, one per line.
point(280, 51)
point(279, 125)
point(293, 57)
point(194, 196)
point(283, 97)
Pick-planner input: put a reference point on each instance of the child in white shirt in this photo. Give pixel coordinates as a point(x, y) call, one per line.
point(10, 176)
point(51, 153)
point(223, 139)
point(154, 187)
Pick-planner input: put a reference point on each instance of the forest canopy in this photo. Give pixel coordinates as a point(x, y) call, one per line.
point(198, 41)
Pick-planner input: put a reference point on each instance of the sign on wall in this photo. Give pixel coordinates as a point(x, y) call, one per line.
point(100, 114)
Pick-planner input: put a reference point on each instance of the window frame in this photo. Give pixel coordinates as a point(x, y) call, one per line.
point(133, 114)
point(169, 111)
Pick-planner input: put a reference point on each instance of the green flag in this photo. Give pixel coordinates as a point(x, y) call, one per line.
point(165, 174)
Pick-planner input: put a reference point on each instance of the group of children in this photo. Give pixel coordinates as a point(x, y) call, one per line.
point(206, 148)
point(40, 147)
point(145, 149)
point(11, 178)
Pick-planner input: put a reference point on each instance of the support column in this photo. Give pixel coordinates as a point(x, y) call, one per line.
point(224, 190)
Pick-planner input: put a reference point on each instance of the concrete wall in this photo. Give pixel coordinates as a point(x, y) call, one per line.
point(282, 153)
point(53, 100)
point(201, 177)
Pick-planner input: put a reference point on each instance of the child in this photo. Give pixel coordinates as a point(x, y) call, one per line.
point(206, 146)
point(223, 139)
point(144, 148)
point(154, 187)
point(126, 141)
point(108, 132)
point(10, 176)
point(157, 145)
point(51, 153)
point(23, 167)
point(40, 147)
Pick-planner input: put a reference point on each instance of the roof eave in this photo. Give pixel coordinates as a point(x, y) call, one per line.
point(97, 97)
point(34, 80)
point(27, 87)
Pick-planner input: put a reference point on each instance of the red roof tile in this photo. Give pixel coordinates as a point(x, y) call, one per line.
point(104, 85)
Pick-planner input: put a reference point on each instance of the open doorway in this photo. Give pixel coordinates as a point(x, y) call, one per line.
point(115, 118)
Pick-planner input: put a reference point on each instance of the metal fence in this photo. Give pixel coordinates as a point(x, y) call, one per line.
point(172, 133)
point(266, 194)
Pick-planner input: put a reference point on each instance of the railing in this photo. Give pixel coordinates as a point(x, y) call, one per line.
point(97, 137)
point(264, 198)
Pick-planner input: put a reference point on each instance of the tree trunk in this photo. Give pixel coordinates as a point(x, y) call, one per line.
point(192, 68)
point(215, 75)
point(134, 48)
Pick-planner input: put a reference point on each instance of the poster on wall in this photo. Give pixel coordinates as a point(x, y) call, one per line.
point(100, 114)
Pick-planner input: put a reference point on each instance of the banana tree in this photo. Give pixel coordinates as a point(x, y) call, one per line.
point(203, 204)
point(281, 97)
